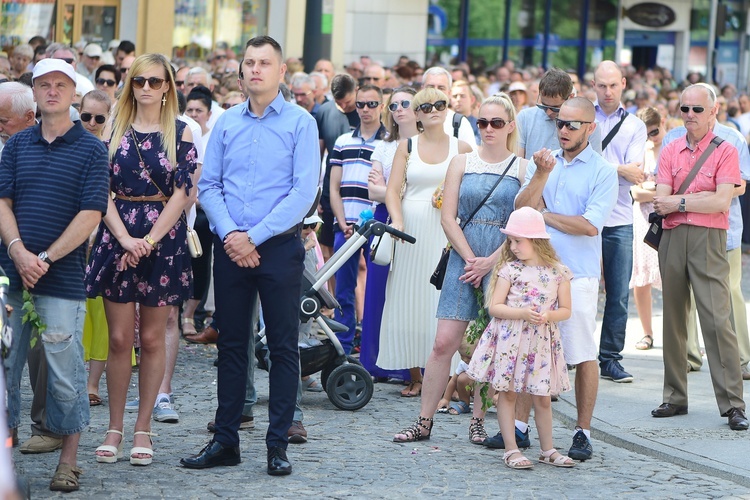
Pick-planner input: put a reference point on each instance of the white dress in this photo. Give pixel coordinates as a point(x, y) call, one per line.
point(409, 323)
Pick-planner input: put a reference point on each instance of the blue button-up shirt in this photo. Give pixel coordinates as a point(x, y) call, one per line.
point(587, 186)
point(627, 146)
point(735, 138)
point(260, 173)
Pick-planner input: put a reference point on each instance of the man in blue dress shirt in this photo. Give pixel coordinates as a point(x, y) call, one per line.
point(259, 179)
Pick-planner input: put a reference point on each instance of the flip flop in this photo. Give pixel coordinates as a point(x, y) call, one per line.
point(312, 385)
point(94, 400)
point(646, 343)
point(459, 408)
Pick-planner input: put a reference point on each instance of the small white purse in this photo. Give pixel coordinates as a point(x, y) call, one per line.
point(381, 250)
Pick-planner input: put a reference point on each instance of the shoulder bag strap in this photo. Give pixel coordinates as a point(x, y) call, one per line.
point(463, 224)
point(715, 143)
point(457, 117)
point(613, 132)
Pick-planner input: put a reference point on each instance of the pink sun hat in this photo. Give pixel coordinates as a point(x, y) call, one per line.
point(526, 223)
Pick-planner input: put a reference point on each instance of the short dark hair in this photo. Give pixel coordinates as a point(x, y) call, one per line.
point(556, 82)
point(260, 41)
point(342, 85)
point(367, 87)
point(181, 102)
point(202, 94)
point(110, 68)
point(40, 49)
point(37, 39)
point(126, 46)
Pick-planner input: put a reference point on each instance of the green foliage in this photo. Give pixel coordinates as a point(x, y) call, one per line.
point(31, 316)
point(477, 327)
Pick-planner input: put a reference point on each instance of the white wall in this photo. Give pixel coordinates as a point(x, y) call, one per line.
point(129, 22)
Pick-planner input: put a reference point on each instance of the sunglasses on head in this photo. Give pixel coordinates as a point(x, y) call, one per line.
point(139, 82)
point(427, 107)
point(369, 104)
point(395, 104)
point(572, 125)
point(105, 81)
point(496, 123)
point(696, 109)
point(654, 133)
point(86, 118)
point(544, 107)
point(68, 60)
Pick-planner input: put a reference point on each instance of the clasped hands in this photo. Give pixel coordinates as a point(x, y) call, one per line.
point(30, 267)
point(240, 250)
point(475, 270)
point(135, 249)
point(535, 318)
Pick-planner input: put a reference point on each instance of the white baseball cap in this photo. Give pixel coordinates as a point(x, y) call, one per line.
point(516, 86)
point(93, 50)
point(45, 66)
point(313, 219)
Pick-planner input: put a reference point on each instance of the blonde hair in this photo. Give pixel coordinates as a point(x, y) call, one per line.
point(543, 250)
point(503, 100)
point(649, 116)
point(429, 94)
point(126, 108)
point(394, 134)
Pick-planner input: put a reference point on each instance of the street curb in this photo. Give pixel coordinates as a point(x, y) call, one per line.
point(565, 411)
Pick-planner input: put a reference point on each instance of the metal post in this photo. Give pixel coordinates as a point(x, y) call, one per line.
point(547, 28)
point(312, 38)
point(506, 33)
point(711, 47)
point(463, 37)
point(584, 38)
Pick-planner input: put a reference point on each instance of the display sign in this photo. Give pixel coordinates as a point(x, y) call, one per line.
point(651, 14)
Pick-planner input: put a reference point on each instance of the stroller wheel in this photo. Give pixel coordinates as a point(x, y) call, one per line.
point(332, 365)
point(349, 387)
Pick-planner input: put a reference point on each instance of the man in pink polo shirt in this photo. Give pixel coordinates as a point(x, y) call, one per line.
point(692, 253)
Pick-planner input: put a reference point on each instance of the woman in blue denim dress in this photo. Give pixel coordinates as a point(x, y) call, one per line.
point(475, 249)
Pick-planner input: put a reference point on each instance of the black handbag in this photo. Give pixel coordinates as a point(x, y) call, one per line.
point(655, 229)
point(438, 275)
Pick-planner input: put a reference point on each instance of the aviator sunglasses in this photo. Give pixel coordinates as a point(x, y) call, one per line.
point(153, 82)
point(496, 123)
point(369, 104)
point(654, 133)
point(696, 109)
point(106, 81)
point(427, 107)
point(572, 125)
point(86, 118)
point(395, 104)
point(548, 108)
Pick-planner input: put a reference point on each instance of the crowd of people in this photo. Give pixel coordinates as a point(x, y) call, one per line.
point(529, 187)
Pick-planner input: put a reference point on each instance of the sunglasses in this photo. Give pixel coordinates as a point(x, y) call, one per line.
point(370, 78)
point(369, 104)
point(226, 105)
point(548, 108)
point(310, 226)
point(124, 70)
point(4, 80)
point(220, 57)
point(68, 60)
point(395, 104)
point(107, 82)
point(496, 123)
point(572, 125)
point(654, 132)
point(86, 118)
point(427, 107)
point(139, 82)
point(696, 109)
point(179, 83)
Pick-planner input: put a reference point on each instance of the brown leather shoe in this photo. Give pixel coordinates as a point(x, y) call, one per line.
point(246, 423)
point(209, 335)
point(669, 410)
point(297, 433)
point(737, 419)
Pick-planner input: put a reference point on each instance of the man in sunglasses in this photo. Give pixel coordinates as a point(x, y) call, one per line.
point(536, 124)
point(693, 255)
point(67, 54)
point(350, 169)
point(624, 146)
point(374, 75)
point(303, 90)
point(576, 190)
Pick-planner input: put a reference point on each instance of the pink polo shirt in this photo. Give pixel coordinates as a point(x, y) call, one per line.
point(722, 167)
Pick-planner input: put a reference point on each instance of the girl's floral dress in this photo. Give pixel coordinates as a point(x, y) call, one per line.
point(514, 355)
point(164, 278)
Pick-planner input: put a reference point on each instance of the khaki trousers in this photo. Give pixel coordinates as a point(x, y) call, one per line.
point(738, 317)
point(696, 256)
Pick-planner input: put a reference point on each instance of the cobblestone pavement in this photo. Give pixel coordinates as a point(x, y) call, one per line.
point(350, 455)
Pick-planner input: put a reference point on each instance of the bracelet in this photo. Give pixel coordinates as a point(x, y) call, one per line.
point(150, 240)
point(12, 242)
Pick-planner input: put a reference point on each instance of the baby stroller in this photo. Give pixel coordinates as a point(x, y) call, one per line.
point(348, 385)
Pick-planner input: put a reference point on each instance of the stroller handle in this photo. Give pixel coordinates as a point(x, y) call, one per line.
point(400, 234)
point(377, 228)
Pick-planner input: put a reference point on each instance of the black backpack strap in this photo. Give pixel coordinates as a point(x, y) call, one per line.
point(457, 117)
point(613, 132)
point(408, 145)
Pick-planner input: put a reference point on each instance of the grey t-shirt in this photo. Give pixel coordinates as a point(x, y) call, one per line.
point(331, 124)
point(537, 131)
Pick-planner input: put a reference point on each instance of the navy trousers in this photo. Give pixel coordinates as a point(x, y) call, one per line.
point(278, 281)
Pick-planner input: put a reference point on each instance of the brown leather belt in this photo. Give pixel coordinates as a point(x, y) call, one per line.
point(155, 197)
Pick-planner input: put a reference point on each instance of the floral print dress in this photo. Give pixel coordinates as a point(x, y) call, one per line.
point(514, 355)
point(165, 277)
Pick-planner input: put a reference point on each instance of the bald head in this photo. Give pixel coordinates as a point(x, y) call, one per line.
point(579, 107)
point(705, 89)
point(608, 67)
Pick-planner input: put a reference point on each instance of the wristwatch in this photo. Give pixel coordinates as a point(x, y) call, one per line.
point(44, 257)
point(250, 239)
point(682, 207)
point(545, 210)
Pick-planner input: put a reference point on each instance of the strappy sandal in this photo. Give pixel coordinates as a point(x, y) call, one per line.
point(142, 450)
point(516, 463)
point(191, 330)
point(646, 343)
point(560, 461)
point(116, 451)
point(459, 408)
point(414, 432)
point(410, 391)
point(477, 434)
point(65, 478)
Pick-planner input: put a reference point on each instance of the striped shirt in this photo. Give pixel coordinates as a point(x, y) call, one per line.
point(49, 184)
point(353, 154)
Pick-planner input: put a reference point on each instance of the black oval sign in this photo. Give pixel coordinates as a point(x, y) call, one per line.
point(651, 14)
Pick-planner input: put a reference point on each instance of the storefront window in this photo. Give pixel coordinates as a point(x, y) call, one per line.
point(21, 20)
point(201, 24)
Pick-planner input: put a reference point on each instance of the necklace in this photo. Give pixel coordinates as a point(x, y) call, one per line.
point(138, 143)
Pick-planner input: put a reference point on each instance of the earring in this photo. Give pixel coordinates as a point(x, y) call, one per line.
point(163, 100)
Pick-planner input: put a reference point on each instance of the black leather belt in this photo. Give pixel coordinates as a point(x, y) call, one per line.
point(291, 230)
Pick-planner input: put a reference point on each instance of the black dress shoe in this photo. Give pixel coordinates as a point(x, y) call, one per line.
point(737, 420)
point(213, 455)
point(669, 410)
point(278, 464)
